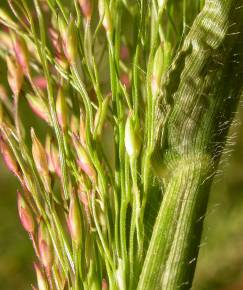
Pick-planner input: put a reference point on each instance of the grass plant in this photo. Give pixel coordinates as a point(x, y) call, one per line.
point(132, 102)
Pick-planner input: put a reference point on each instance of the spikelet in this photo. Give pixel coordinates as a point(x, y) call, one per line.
point(132, 139)
point(41, 161)
point(86, 7)
point(9, 158)
point(22, 54)
point(45, 246)
point(25, 214)
point(15, 75)
point(61, 109)
point(41, 278)
point(74, 220)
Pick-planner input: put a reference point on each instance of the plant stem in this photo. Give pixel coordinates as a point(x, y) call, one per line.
point(174, 233)
point(191, 154)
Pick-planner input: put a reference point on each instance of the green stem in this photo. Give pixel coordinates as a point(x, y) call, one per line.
point(171, 248)
point(191, 154)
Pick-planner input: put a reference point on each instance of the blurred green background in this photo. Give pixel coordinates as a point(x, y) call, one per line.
point(220, 265)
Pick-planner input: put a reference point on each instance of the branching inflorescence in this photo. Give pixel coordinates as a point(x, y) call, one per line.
point(116, 161)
